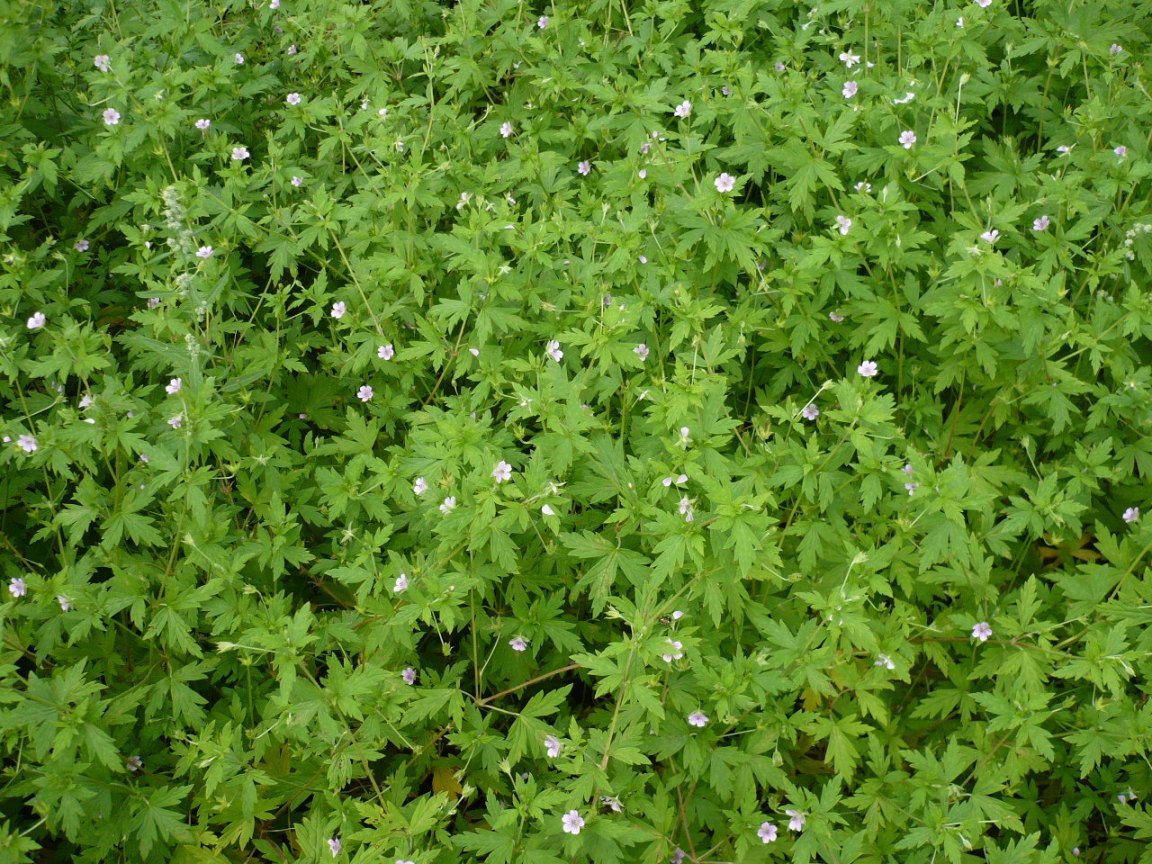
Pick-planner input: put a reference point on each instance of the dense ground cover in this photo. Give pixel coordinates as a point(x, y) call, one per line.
point(650, 431)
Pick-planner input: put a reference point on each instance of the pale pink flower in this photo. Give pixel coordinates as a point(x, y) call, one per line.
point(239, 154)
point(17, 587)
point(502, 472)
point(37, 321)
point(676, 652)
point(572, 822)
point(850, 89)
point(420, 486)
point(81, 245)
point(111, 117)
point(585, 168)
point(849, 59)
point(885, 661)
point(174, 386)
point(449, 505)
point(293, 99)
point(134, 763)
point(291, 51)
point(297, 181)
point(1041, 224)
point(64, 601)
point(204, 252)
point(683, 109)
point(334, 846)
point(409, 676)
point(1063, 149)
point(1131, 514)
point(795, 821)
point(401, 584)
point(867, 369)
point(911, 488)
point(641, 351)
point(863, 186)
point(552, 745)
point(767, 832)
point(542, 23)
point(553, 351)
point(983, 4)
point(810, 412)
point(843, 224)
point(203, 123)
point(1115, 48)
point(177, 421)
point(505, 129)
point(102, 62)
point(365, 393)
point(835, 317)
point(386, 352)
point(1121, 152)
point(907, 139)
point(518, 643)
point(698, 719)
point(153, 302)
point(338, 309)
point(982, 631)
point(611, 803)
point(239, 59)
point(547, 510)
point(725, 183)
point(990, 236)
point(274, 4)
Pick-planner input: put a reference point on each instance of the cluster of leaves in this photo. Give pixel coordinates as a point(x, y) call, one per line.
point(663, 431)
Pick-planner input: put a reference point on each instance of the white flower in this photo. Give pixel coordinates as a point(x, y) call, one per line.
point(990, 236)
point(449, 505)
point(849, 59)
point(239, 58)
point(850, 89)
point(502, 472)
point(505, 129)
point(401, 584)
point(204, 252)
point(552, 745)
point(518, 643)
point(572, 822)
point(420, 486)
point(547, 511)
point(27, 443)
point(37, 321)
point(338, 309)
point(683, 109)
point(907, 139)
point(385, 352)
point(111, 117)
point(725, 183)
point(843, 224)
point(867, 369)
point(365, 393)
point(174, 386)
point(293, 99)
point(553, 351)
point(641, 351)
point(239, 154)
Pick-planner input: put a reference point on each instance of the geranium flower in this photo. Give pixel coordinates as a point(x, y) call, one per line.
point(982, 631)
point(572, 822)
point(767, 832)
point(725, 183)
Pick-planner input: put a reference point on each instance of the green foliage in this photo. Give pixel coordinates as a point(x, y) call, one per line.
point(654, 431)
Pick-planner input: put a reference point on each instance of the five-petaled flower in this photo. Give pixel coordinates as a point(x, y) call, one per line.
point(111, 117)
point(177, 421)
point(386, 352)
point(27, 443)
point(518, 643)
point(203, 123)
point(401, 584)
point(1041, 224)
point(502, 472)
point(334, 846)
point(849, 59)
point(843, 224)
point(907, 139)
point(552, 746)
point(65, 602)
point(850, 89)
point(338, 309)
point(81, 245)
point(585, 168)
point(17, 587)
point(698, 719)
point(868, 369)
point(505, 129)
point(990, 236)
point(102, 62)
point(239, 154)
point(683, 109)
point(448, 505)
point(982, 631)
point(810, 412)
point(835, 317)
point(134, 763)
point(573, 822)
point(174, 386)
point(725, 183)
point(293, 99)
point(885, 661)
point(542, 22)
point(239, 58)
point(795, 820)
point(553, 351)
point(641, 351)
point(1121, 151)
point(409, 676)
point(365, 393)
point(1131, 514)
point(37, 321)
point(297, 181)
point(204, 252)
point(420, 486)
point(767, 832)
